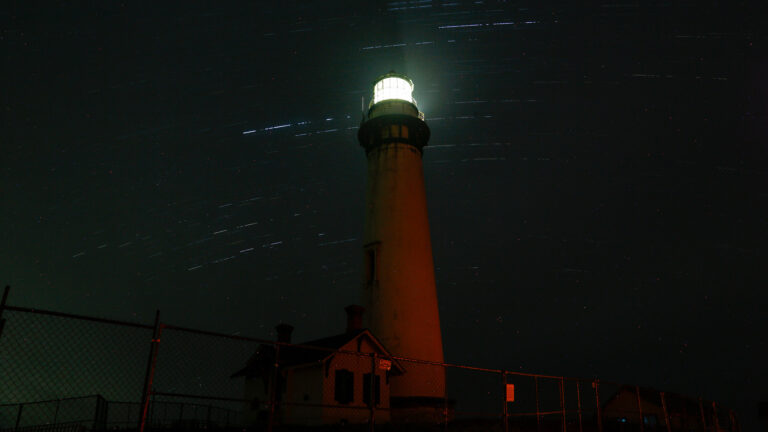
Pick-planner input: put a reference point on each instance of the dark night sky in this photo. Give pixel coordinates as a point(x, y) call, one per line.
point(595, 179)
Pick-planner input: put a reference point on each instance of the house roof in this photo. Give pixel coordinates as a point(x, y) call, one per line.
point(292, 355)
point(649, 396)
point(676, 403)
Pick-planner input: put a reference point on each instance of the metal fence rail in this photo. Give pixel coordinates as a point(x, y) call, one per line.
point(58, 427)
point(159, 377)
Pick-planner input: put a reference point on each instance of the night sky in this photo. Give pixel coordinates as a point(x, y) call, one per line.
point(596, 176)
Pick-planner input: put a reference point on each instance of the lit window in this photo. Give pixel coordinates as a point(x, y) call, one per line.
point(395, 131)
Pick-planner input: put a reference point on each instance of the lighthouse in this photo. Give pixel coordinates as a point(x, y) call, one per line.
point(399, 280)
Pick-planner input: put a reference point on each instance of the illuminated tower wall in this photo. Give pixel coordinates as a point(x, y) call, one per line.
point(399, 279)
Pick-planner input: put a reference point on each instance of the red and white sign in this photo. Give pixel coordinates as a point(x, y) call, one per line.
point(385, 364)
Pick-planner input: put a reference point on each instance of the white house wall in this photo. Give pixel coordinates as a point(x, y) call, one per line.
point(304, 386)
point(253, 390)
point(356, 411)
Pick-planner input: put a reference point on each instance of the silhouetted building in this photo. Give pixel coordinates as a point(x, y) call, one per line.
point(321, 386)
point(622, 412)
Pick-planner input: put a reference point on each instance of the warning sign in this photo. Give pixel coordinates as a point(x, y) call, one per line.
point(510, 392)
point(385, 364)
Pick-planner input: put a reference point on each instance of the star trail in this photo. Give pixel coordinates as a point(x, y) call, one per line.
point(594, 177)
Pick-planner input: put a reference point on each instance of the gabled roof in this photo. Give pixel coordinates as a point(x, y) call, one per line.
point(292, 355)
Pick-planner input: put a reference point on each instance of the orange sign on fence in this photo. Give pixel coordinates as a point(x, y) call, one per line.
point(510, 392)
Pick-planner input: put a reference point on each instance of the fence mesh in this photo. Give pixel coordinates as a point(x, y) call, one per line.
point(66, 373)
point(45, 357)
point(53, 367)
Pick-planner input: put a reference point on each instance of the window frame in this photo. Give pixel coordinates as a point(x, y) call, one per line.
point(344, 386)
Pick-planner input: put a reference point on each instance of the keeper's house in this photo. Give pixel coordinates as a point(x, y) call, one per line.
point(320, 386)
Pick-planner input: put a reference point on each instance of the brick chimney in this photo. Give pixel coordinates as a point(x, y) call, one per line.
point(284, 332)
point(354, 318)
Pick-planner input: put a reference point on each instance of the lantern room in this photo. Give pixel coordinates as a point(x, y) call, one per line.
point(393, 86)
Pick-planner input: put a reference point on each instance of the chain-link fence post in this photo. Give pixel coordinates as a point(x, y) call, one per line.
point(18, 416)
point(151, 362)
point(562, 401)
point(701, 413)
point(666, 413)
point(2, 308)
point(578, 403)
point(506, 400)
point(372, 394)
point(273, 389)
point(639, 407)
point(536, 386)
point(100, 417)
point(445, 399)
point(596, 383)
point(56, 413)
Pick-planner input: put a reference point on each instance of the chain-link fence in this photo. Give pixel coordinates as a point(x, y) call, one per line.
point(66, 373)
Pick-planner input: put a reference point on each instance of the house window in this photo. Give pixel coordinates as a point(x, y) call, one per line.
point(344, 388)
point(367, 389)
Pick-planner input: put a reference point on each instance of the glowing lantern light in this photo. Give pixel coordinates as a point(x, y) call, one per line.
point(392, 86)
